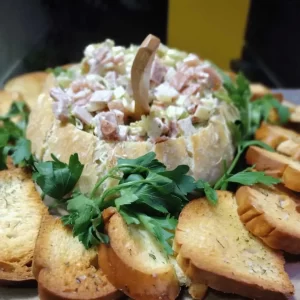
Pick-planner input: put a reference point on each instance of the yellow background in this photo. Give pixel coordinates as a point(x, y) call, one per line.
point(214, 29)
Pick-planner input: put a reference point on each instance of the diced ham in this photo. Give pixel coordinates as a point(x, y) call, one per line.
point(192, 60)
point(101, 96)
point(191, 108)
point(101, 53)
point(96, 62)
point(61, 104)
point(186, 126)
point(108, 129)
point(158, 71)
point(191, 89)
point(82, 114)
point(123, 132)
point(82, 94)
point(60, 111)
point(214, 80)
point(170, 73)
point(60, 95)
point(179, 80)
point(107, 125)
point(165, 93)
point(116, 104)
point(108, 59)
point(157, 128)
point(173, 129)
point(82, 102)
point(118, 59)
point(111, 78)
point(119, 116)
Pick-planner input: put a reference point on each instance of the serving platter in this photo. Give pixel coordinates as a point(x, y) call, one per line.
point(292, 265)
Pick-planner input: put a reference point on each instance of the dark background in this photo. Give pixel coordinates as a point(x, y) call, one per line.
point(36, 34)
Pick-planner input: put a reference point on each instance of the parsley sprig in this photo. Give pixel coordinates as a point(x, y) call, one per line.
point(147, 194)
point(12, 136)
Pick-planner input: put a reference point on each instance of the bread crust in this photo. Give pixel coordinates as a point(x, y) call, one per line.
point(122, 262)
point(204, 263)
point(18, 237)
point(275, 164)
point(29, 85)
point(40, 123)
point(264, 222)
point(68, 275)
point(7, 98)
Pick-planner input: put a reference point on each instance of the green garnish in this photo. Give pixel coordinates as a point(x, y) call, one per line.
point(12, 136)
point(147, 194)
point(55, 178)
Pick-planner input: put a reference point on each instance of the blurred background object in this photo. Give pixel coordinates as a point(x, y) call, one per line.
point(213, 29)
point(259, 38)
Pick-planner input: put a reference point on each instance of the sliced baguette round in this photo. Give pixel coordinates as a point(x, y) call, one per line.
point(270, 213)
point(216, 249)
point(276, 165)
point(29, 85)
point(274, 135)
point(21, 212)
point(134, 263)
point(284, 140)
point(64, 269)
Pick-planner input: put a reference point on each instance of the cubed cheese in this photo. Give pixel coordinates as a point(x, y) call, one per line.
point(165, 93)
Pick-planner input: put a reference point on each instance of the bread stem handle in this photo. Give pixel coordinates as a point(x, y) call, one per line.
point(140, 75)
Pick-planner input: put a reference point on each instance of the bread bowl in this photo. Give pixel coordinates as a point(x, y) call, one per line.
point(187, 124)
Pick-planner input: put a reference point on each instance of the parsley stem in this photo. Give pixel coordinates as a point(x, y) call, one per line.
point(111, 172)
point(117, 188)
point(230, 169)
point(97, 185)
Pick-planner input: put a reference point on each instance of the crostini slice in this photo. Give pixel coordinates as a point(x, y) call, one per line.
point(277, 165)
point(216, 249)
point(270, 213)
point(135, 263)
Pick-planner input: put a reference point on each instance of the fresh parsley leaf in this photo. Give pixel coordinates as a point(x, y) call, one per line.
point(56, 178)
point(56, 71)
point(209, 192)
point(161, 228)
point(185, 183)
point(127, 198)
point(129, 216)
point(248, 177)
point(239, 93)
point(22, 152)
point(86, 220)
point(146, 161)
point(261, 110)
point(235, 129)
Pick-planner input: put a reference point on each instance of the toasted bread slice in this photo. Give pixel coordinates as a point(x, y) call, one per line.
point(21, 211)
point(134, 263)
point(277, 165)
point(270, 213)
point(29, 85)
point(284, 140)
point(216, 249)
point(64, 269)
